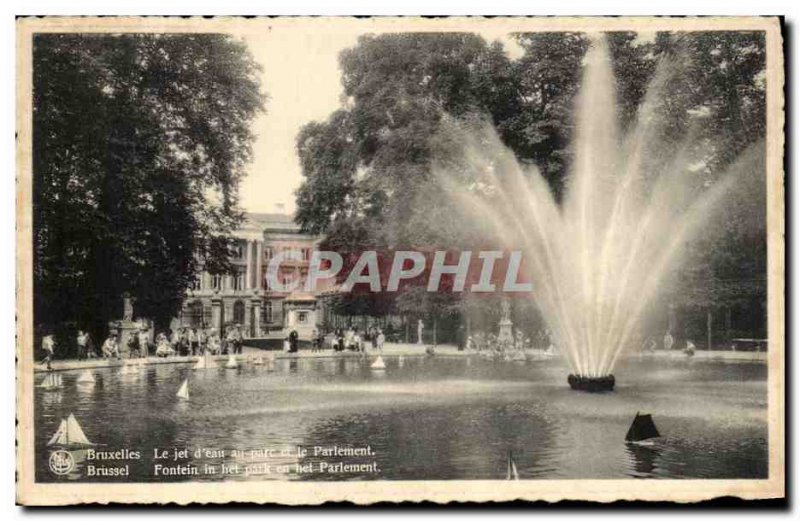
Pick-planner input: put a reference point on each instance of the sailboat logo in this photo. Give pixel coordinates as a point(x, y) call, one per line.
point(61, 462)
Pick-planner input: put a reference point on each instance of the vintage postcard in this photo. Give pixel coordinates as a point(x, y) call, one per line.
point(308, 260)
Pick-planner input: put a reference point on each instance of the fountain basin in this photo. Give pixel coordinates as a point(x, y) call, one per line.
point(590, 384)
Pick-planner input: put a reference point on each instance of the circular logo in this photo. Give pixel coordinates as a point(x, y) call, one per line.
point(61, 462)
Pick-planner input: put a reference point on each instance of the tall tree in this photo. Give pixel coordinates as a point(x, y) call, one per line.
point(367, 168)
point(140, 142)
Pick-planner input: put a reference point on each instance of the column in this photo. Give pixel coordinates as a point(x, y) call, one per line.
point(216, 314)
point(259, 261)
point(246, 325)
point(257, 318)
point(248, 264)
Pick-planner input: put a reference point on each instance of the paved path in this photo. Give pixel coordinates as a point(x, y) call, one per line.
point(388, 350)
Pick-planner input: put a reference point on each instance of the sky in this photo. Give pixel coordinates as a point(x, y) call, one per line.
point(301, 77)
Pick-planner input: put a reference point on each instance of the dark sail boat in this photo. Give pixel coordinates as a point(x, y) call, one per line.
point(642, 429)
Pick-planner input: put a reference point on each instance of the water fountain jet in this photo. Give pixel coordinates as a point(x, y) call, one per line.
point(599, 257)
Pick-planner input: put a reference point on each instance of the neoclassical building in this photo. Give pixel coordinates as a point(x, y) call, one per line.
point(245, 297)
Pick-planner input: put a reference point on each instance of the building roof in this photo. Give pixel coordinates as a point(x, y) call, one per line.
point(255, 224)
point(269, 220)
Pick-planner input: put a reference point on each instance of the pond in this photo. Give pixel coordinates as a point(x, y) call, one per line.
point(430, 418)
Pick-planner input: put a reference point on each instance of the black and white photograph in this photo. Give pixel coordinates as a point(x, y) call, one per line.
point(510, 258)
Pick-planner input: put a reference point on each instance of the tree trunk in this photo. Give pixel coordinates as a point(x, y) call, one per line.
point(709, 322)
point(728, 333)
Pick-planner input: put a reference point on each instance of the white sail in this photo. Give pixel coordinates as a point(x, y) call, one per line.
point(258, 360)
point(231, 363)
point(183, 392)
point(201, 363)
point(69, 433)
point(75, 435)
point(378, 363)
point(60, 435)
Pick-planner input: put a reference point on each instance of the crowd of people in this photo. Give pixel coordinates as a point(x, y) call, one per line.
point(351, 339)
point(183, 341)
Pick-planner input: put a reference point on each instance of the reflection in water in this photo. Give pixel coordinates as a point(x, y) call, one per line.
point(477, 446)
point(431, 418)
point(643, 458)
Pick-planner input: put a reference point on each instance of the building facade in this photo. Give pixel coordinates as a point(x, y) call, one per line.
point(245, 296)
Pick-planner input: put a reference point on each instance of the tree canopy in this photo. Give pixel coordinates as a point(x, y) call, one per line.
point(139, 144)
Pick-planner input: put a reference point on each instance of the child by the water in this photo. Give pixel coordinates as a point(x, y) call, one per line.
point(49, 348)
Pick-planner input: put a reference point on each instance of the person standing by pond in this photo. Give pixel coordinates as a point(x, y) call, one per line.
point(669, 341)
point(339, 340)
point(49, 348)
point(213, 342)
point(293, 337)
point(202, 341)
point(237, 340)
point(315, 343)
point(83, 344)
point(144, 342)
point(381, 339)
point(227, 345)
point(134, 349)
point(192, 337)
point(175, 340)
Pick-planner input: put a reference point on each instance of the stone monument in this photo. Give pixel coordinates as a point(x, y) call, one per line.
point(125, 327)
point(505, 337)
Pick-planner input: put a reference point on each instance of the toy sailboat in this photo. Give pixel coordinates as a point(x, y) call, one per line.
point(183, 392)
point(259, 360)
point(231, 363)
point(52, 381)
point(511, 471)
point(378, 364)
point(69, 433)
point(642, 429)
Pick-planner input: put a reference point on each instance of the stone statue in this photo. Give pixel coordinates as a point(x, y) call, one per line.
point(505, 335)
point(420, 327)
point(127, 309)
point(505, 307)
